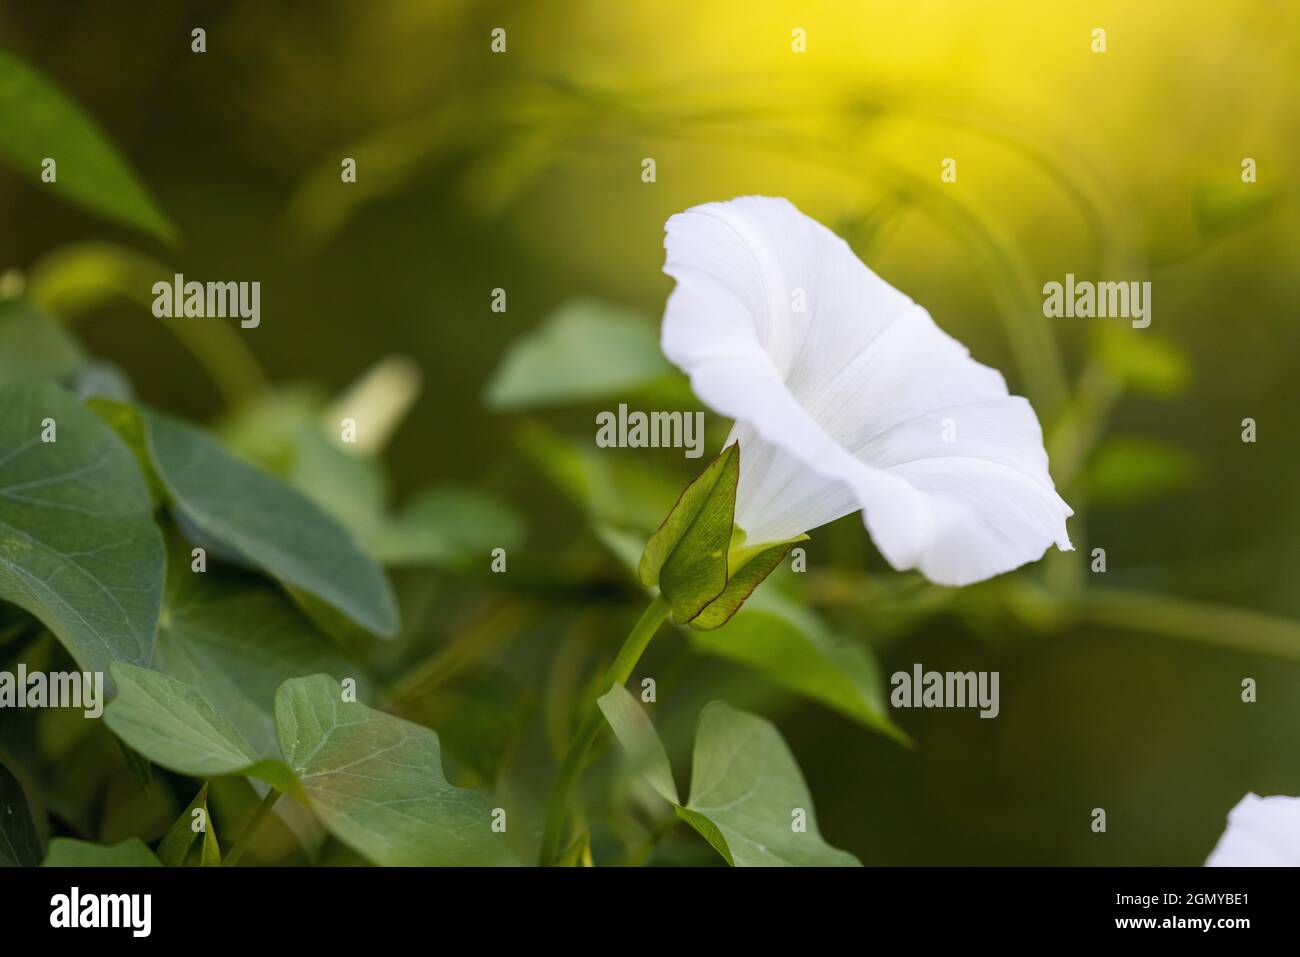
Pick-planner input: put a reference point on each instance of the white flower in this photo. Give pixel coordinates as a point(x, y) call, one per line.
point(856, 401)
point(1261, 832)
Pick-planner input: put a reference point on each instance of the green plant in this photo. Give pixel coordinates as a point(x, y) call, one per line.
point(320, 630)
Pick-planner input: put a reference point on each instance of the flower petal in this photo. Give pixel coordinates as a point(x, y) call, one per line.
point(857, 401)
point(1261, 832)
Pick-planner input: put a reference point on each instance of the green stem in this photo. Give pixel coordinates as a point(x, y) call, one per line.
point(251, 827)
point(78, 278)
point(633, 647)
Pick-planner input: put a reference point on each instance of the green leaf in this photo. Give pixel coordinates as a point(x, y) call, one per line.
point(687, 556)
point(133, 852)
point(792, 647)
point(748, 797)
point(746, 572)
point(440, 527)
point(20, 845)
point(234, 639)
point(746, 782)
point(176, 843)
point(78, 545)
point(37, 120)
point(173, 725)
point(210, 853)
point(253, 518)
point(140, 767)
point(449, 528)
point(376, 781)
point(585, 349)
point(34, 346)
point(711, 833)
point(128, 423)
point(373, 780)
point(634, 731)
point(281, 431)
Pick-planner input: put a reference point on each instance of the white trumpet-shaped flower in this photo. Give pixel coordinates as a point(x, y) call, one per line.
point(1261, 832)
point(847, 396)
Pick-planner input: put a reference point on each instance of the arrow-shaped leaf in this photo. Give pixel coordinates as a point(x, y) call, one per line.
point(173, 725)
point(234, 638)
point(376, 781)
point(748, 797)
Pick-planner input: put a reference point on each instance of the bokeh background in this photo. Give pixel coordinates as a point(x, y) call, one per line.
point(523, 171)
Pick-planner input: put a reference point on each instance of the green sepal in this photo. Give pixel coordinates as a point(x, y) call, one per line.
point(686, 558)
point(748, 569)
point(698, 558)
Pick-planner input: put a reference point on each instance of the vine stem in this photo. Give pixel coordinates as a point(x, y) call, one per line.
point(246, 838)
point(634, 647)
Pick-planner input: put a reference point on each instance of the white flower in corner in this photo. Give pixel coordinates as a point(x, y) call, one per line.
point(847, 396)
point(1262, 832)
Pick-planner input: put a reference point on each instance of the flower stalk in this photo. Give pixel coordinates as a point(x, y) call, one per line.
point(634, 647)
